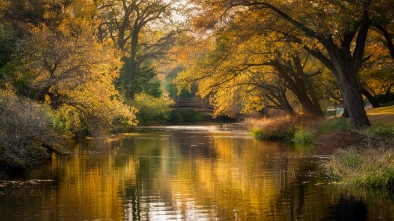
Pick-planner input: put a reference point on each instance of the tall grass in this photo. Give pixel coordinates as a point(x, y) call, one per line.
point(371, 168)
point(288, 128)
point(369, 163)
point(366, 158)
point(280, 128)
point(304, 136)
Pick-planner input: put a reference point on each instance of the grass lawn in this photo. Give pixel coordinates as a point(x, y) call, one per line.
point(381, 115)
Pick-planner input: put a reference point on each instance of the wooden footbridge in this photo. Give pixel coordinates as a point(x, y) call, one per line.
point(193, 103)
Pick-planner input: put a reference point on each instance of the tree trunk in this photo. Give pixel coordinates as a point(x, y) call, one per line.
point(345, 113)
point(286, 104)
point(353, 101)
point(308, 106)
point(345, 66)
point(296, 81)
point(304, 91)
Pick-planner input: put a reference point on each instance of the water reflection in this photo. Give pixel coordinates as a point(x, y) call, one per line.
point(184, 175)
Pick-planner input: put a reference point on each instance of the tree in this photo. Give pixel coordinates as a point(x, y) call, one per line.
point(138, 81)
point(382, 23)
point(296, 80)
point(263, 64)
point(137, 28)
point(64, 65)
point(337, 29)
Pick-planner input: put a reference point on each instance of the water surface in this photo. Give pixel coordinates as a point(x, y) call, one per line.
point(186, 173)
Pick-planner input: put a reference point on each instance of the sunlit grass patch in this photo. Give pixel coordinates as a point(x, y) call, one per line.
point(381, 115)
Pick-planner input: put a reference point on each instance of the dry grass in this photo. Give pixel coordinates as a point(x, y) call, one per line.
point(288, 128)
point(369, 161)
point(282, 121)
point(371, 168)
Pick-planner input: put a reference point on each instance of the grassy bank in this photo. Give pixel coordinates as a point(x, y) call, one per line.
point(360, 158)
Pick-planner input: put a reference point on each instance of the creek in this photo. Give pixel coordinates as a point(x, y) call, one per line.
point(186, 173)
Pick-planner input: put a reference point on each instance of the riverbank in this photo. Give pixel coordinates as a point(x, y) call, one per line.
point(362, 158)
point(369, 161)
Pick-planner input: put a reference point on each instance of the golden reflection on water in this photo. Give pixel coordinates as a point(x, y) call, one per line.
point(179, 176)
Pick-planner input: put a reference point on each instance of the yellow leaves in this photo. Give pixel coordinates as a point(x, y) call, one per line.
point(100, 103)
point(78, 72)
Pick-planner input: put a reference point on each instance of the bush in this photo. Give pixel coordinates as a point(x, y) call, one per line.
point(151, 110)
point(275, 134)
point(121, 124)
point(282, 129)
point(25, 128)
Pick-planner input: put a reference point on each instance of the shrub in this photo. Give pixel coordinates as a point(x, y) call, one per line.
point(121, 124)
point(282, 128)
point(275, 133)
point(25, 128)
point(151, 110)
point(68, 121)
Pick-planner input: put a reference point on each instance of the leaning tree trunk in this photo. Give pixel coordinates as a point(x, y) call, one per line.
point(308, 106)
point(353, 100)
point(286, 104)
point(297, 81)
point(345, 66)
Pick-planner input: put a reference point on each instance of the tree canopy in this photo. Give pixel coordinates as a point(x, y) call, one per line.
point(335, 33)
point(88, 57)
